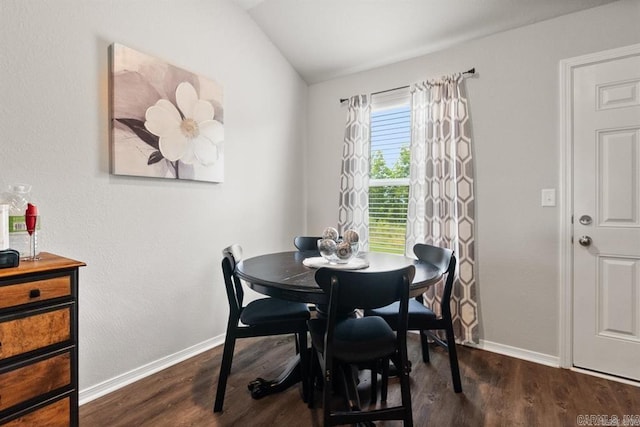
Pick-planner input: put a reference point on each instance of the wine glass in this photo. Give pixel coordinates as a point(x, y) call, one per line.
point(31, 218)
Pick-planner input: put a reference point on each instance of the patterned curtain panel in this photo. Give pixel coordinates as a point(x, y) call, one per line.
point(353, 212)
point(441, 193)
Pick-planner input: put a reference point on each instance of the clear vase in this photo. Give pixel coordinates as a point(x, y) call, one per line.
point(17, 197)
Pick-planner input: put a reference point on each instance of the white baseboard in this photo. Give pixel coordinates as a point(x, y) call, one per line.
point(113, 384)
point(531, 356)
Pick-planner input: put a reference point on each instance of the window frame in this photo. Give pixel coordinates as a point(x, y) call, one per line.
point(381, 101)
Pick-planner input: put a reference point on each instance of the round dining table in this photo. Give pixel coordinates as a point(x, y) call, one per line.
point(284, 275)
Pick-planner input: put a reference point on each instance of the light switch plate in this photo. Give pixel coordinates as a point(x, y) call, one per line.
point(548, 197)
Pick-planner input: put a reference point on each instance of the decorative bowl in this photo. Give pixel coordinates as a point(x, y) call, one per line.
point(338, 252)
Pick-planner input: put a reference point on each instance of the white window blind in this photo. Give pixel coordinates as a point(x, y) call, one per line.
point(389, 170)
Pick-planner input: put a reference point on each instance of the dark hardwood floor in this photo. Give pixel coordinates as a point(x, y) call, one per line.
point(497, 391)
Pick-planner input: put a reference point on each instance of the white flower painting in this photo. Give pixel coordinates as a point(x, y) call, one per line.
point(166, 122)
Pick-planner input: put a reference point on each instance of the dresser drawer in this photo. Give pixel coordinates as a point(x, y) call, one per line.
point(35, 331)
point(37, 290)
point(34, 380)
point(55, 415)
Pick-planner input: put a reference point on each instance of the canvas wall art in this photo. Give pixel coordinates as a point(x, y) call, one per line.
point(166, 122)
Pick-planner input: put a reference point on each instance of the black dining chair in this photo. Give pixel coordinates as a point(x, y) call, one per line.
point(342, 342)
point(262, 317)
point(306, 243)
point(424, 319)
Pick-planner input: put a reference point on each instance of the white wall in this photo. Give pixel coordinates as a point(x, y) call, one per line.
point(514, 101)
point(152, 286)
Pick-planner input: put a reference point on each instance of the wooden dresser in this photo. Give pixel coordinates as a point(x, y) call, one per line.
point(39, 343)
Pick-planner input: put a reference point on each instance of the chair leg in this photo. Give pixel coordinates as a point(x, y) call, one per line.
point(301, 345)
point(385, 380)
point(453, 360)
point(327, 374)
point(425, 346)
point(374, 381)
point(313, 367)
point(225, 369)
point(405, 391)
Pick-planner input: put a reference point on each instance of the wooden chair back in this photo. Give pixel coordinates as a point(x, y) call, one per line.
point(444, 259)
point(235, 294)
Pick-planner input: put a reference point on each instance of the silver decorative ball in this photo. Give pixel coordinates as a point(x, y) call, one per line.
point(344, 250)
point(351, 236)
point(330, 233)
point(327, 247)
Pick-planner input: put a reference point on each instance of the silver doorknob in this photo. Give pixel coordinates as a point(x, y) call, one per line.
point(585, 240)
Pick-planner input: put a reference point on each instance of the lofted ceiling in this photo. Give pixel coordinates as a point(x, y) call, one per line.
point(324, 39)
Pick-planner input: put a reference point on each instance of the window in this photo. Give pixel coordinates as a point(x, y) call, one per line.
point(389, 170)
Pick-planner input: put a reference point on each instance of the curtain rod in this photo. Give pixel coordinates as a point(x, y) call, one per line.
point(471, 71)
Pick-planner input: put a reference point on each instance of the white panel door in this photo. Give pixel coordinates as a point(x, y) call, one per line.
point(606, 222)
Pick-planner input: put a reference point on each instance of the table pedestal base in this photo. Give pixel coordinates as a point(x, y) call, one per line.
point(291, 375)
